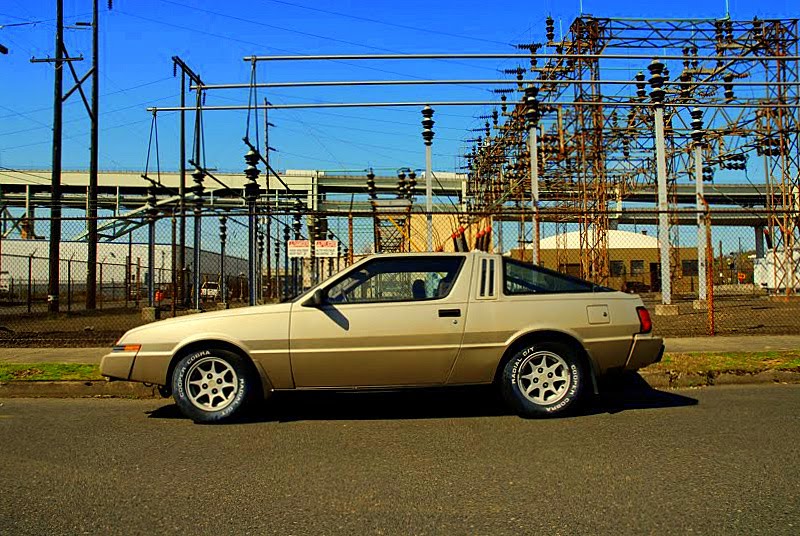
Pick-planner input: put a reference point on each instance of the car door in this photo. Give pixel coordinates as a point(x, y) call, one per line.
point(390, 321)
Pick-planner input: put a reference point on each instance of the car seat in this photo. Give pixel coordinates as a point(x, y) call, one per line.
point(418, 290)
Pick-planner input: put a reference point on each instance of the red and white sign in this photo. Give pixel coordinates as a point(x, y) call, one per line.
point(326, 248)
point(299, 248)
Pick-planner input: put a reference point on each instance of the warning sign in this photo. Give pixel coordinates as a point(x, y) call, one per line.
point(326, 248)
point(299, 248)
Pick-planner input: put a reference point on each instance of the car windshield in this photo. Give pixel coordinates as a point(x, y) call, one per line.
point(211, 285)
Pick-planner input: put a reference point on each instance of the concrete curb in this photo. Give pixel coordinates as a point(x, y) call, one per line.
point(676, 380)
point(119, 389)
point(76, 389)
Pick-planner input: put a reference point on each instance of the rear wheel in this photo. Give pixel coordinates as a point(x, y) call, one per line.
point(214, 385)
point(543, 379)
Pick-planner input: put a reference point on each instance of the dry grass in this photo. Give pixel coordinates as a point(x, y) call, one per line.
point(733, 362)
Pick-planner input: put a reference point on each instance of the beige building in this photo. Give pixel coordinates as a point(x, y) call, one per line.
point(444, 225)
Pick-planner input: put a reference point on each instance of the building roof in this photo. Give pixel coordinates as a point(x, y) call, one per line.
point(616, 240)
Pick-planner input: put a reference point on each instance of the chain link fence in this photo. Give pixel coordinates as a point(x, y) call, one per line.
point(741, 280)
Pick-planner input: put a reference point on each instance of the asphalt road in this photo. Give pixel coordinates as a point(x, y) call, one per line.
point(722, 460)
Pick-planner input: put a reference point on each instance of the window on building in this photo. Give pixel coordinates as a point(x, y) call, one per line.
point(637, 267)
point(617, 268)
point(570, 269)
point(689, 267)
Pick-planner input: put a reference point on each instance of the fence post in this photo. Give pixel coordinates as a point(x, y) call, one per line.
point(30, 288)
point(138, 280)
point(350, 248)
point(275, 291)
point(151, 261)
point(127, 280)
point(286, 262)
point(710, 275)
point(267, 247)
point(69, 285)
point(173, 265)
point(223, 235)
point(100, 287)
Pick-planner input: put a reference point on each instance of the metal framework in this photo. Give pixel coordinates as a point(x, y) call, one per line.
point(618, 111)
point(602, 139)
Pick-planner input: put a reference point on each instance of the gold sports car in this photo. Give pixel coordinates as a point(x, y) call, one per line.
point(395, 321)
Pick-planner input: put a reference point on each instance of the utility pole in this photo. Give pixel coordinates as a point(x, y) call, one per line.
point(697, 140)
point(251, 197)
point(91, 272)
point(177, 62)
point(427, 136)
point(61, 59)
point(657, 94)
point(532, 116)
point(55, 194)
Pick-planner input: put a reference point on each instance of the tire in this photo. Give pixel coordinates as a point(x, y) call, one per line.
point(233, 385)
point(544, 380)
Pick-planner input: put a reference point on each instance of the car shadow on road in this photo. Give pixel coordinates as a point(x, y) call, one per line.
point(629, 391)
point(626, 392)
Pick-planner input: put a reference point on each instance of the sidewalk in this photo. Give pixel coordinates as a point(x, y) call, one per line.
point(89, 356)
point(740, 343)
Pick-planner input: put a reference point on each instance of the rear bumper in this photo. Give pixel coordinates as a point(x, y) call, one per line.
point(645, 350)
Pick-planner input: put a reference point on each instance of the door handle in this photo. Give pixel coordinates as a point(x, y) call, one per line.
point(449, 313)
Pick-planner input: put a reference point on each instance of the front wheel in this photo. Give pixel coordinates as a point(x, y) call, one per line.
point(543, 379)
point(214, 385)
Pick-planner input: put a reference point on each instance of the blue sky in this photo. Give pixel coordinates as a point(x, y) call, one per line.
point(139, 38)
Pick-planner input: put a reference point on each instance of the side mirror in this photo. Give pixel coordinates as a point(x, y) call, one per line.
point(316, 299)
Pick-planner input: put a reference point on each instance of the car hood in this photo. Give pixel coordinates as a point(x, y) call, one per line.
point(178, 327)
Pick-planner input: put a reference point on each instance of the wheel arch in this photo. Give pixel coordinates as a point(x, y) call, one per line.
point(205, 344)
point(548, 335)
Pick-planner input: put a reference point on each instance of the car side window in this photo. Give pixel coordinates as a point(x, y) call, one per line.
point(398, 279)
point(524, 278)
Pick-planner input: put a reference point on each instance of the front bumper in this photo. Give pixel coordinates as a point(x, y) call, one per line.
point(645, 350)
point(118, 365)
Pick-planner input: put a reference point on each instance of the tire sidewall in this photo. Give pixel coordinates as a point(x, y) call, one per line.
point(243, 393)
point(527, 408)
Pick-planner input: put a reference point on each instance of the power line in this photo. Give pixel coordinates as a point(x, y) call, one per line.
point(68, 103)
point(274, 27)
point(28, 23)
point(23, 172)
point(308, 34)
point(138, 104)
point(393, 24)
point(388, 121)
point(25, 21)
point(252, 43)
point(82, 133)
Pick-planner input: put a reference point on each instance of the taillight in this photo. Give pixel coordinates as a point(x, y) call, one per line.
point(645, 322)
